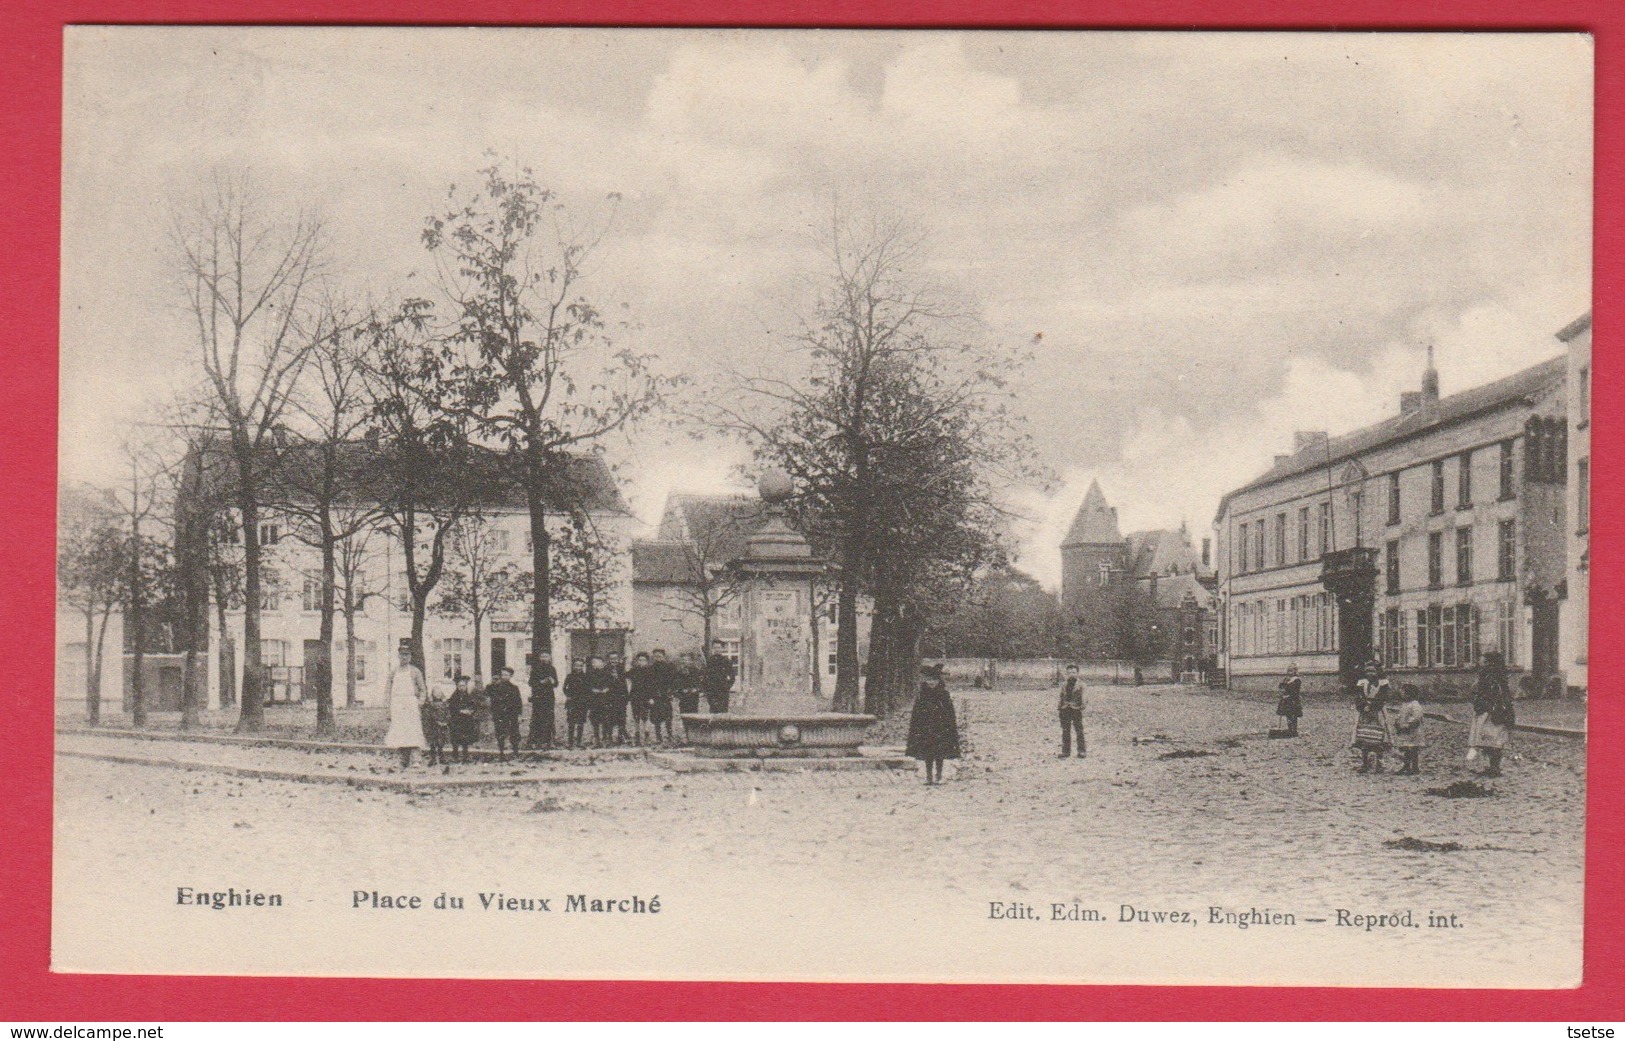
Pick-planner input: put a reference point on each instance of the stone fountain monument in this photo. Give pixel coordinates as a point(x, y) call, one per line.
point(777, 710)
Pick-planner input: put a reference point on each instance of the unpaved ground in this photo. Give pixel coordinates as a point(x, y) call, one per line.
point(871, 874)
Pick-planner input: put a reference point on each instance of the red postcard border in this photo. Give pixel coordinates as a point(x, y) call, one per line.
point(30, 69)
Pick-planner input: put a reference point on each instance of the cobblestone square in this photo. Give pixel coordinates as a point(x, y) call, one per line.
point(1183, 804)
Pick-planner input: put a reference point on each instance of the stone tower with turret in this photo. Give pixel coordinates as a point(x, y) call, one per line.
point(1094, 567)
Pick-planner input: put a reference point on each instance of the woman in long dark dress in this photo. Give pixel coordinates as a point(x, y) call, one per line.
point(933, 731)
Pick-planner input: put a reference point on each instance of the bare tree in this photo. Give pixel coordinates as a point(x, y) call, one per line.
point(707, 583)
point(322, 477)
point(247, 276)
point(427, 472)
point(355, 588)
point(147, 557)
point(586, 573)
point(551, 380)
point(479, 578)
point(890, 422)
point(90, 572)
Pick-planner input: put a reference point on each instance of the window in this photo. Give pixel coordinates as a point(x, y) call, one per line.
point(270, 590)
point(1506, 551)
point(1435, 559)
point(1105, 573)
point(1435, 627)
point(1258, 543)
point(1447, 636)
point(1466, 635)
point(1241, 551)
point(1423, 647)
point(1391, 565)
point(499, 540)
point(1393, 645)
point(270, 533)
point(1438, 486)
point(1584, 397)
point(310, 592)
point(1325, 529)
point(1464, 480)
point(451, 657)
point(363, 650)
point(1303, 533)
point(1582, 501)
point(1356, 507)
point(1393, 497)
point(1506, 631)
point(273, 653)
point(1464, 556)
point(832, 614)
point(1506, 470)
point(1280, 539)
point(730, 650)
point(830, 665)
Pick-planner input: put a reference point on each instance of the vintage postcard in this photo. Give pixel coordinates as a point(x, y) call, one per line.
point(1066, 507)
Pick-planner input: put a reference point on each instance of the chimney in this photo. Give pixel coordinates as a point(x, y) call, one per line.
point(1410, 401)
point(1304, 440)
point(1430, 381)
point(1207, 552)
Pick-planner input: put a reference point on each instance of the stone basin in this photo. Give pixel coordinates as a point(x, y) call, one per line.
point(817, 734)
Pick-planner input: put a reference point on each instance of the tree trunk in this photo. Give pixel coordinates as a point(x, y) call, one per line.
point(93, 678)
point(894, 656)
point(846, 645)
point(349, 653)
point(251, 719)
point(541, 612)
point(878, 666)
point(135, 619)
point(419, 602)
point(324, 654)
point(227, 665)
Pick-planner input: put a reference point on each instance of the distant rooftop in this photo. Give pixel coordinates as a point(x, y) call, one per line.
point(1455, 408)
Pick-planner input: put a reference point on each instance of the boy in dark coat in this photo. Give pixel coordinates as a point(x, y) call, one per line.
point(1070, 707)
point(464, 725)
point(506, 706)
point(577, 704)
point(601, 700)
point(719, 678)
point(435, 719)
point(640, 687)
point(663, 681)
point(544, 684)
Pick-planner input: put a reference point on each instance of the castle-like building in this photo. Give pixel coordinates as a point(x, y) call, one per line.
point(1146, 597)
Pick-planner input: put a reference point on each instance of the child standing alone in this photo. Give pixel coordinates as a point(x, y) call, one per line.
point(1070, 707)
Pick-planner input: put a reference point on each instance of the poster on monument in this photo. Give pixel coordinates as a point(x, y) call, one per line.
point(1192, 431)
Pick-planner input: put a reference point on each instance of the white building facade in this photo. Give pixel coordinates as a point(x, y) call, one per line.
point(1577, 618)
point(1461, 500)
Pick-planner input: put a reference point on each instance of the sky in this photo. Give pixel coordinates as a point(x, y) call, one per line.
point(1207, 240)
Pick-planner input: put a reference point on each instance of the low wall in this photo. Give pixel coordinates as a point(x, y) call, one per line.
point(1026, 673)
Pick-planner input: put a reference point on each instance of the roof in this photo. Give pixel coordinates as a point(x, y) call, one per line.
point(1095, 523)
point(662, 563)
point(1162, 552)
point(1172, 590)
point(1575, 328)
point(294, 470)
point(696, 530)
point(1520, 386)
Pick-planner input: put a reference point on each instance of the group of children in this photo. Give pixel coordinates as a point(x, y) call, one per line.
point(599, 692)
point(1386, 721)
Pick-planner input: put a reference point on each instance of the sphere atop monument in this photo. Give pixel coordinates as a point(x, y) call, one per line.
point(775, 486)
